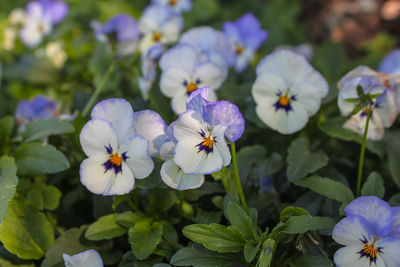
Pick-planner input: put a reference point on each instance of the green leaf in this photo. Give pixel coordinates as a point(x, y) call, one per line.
point(266, 253)
point(290, 211)
point(312, 261)
point(25, 231)
point(373, 186)
point(144, 238)
point(129, 218)
point(71, 242)
point(215, 237)
point(5, 263)
point(239, 218)
point(35, 198)
point(51, 197)
point(301, 161)
point(45, 127)
point(250, 250)
point(201, 258)
point(37, 159)
point(105, 227)
point(169, 199)
point(100, 61)
point(304, 223)
point(394, 201)
point(8, 183)
point(328, 188)
point(248, 157)
point(6, 128)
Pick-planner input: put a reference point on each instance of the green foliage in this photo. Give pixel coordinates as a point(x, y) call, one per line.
point(304, 223)
point(267, 253)
point(38, 159)
point(105, 227)
point(6, 128)
point(144, 238)
point(8, 182)
point(328, 188)
point(25, 231)
point(373, 186)
point(215, 237)
point(45, 127)
point(301, 161)
point(312, 261)
point(201, 258)
point(238, 218)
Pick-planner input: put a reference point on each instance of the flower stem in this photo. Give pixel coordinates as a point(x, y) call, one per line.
point(362, 153)
point(237, 178)
point(98, 90)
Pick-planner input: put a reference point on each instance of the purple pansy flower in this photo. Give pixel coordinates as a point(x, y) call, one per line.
point(38, 108)
point(122, 29)
point(369, 233)
point(391, 63)
point(245, 36)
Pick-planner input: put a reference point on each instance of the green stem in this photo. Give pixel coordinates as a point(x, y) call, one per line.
point(98, 90)
point(237, 178)
point(362, 153)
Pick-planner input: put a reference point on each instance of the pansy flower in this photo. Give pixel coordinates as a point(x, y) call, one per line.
point(383, 109)
point(200, 133)
point(391, 63)
point(37, 108)
point(88, 258)
point(183, 72)
point(40, 16)
point(121, 30)
point(148, 67)
point(245, 36)
point(159, 24)
point(176, 5)
point(117, 154)
point(367, 234)
point(305, 50)
point(212, 45)
point(287, 91)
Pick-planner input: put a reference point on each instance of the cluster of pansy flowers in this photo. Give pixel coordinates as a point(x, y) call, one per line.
point(34, 23)
point(120, 143)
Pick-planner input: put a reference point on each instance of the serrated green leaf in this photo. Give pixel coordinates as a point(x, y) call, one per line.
point(328, 188)
point(215, 237)
point(51, 197)
point(25, 231)
point(144, 238)
point(201, 258)
point(8, 183)
point(129, 218)
point(239, 218)
point(250, 250)
point(373, 186)
point(304, 223)
point(301, 161)
point(105, 227)
point(37, 159)
point(45, 127)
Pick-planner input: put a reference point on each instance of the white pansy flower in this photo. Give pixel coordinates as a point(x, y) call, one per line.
point(288, 91)
point(88, 258)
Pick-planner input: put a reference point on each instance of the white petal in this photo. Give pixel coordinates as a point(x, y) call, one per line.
point(209, 75)
point(390, 249)
point(181, 57)
point(172, 82)
point(96, 135)
point(88, 258)
point(192, 161)
point(268, 85)
point(119, 113)
point(308, 96)
point(151, 126)
point(139, 161)
point(174, 177)
point(188, 125)
point(178, 102)
point(171, 29)
point(356, 123)
point(94, 176)
point(221, 145)
point(352, 230)
point(167, 150)
point(349, 257)
point(123, 182)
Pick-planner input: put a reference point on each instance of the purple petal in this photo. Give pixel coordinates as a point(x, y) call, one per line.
point(55, 10)
point(376, 211)
point(391, 63)
point(227, 114)
point(125, 27)
point(396, 222)
point(38, 108)
point(197, 100)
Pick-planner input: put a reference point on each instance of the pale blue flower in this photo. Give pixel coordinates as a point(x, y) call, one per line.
point(367, 235)
point(159, 24)
point(287, 91)
point(184, 71)
point(245, 36)
point(212, 45)
point(88, 258)
point(117, 154)
point(148, 67)
point(176, 5)
point(37, 108)
point(391, 63)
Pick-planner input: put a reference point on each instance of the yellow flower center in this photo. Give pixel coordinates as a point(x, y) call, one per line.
point(239, 49)
point(191, 87)
point(172, 2)
point(370, 250)
point(208, 142)
point(40, 27)
point(157, 36)
point(116, 159)
point(284, 100)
